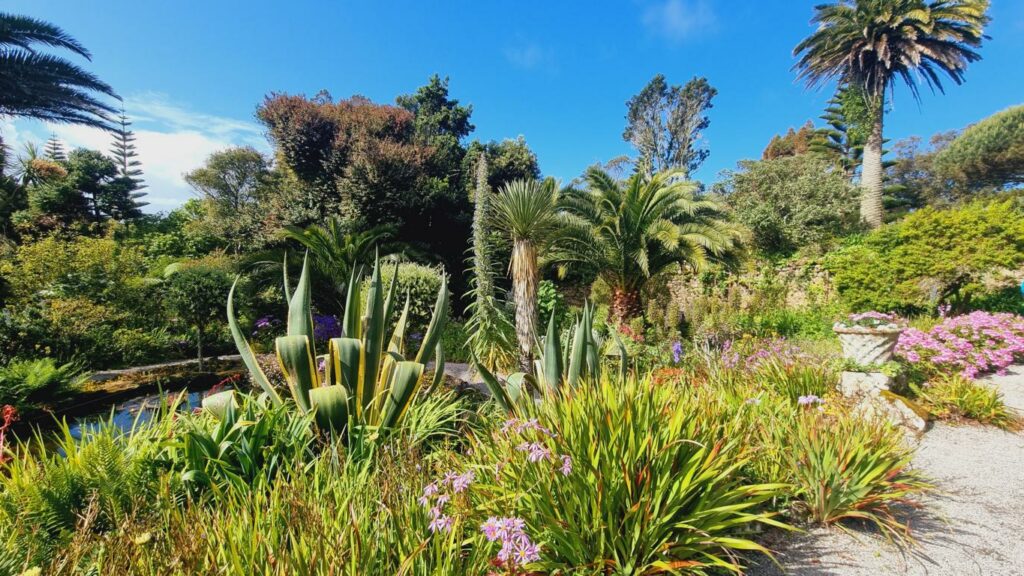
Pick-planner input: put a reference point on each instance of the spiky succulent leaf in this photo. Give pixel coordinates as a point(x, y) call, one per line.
point(245, 351)
point(437, 323)
point(300, 309)
point(217, 404)
point(330, 407)
point(298, 366)
point(402, 388)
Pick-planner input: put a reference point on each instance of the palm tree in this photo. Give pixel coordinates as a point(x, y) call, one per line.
point(527, 210)
point(630, 231)
point(334, 251)
point(869, 43)
point(44, 86)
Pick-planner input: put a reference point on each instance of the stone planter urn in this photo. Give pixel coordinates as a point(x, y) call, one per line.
point(866, 346)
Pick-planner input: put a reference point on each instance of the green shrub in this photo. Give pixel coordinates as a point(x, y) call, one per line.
point(421, 283)
point(845, 468)
point(25, 384)
point(953, 397)
point(958, 256)
point(453, 341)
point(623, 475)
point(791, 202)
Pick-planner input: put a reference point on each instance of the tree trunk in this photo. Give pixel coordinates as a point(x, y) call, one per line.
point(525, 277)
point(625, 305)
point(871, 169)
point(199, 346)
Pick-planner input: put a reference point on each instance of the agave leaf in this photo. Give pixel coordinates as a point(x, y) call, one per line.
point(437, 323)
point(352, 327)
point(300, 313)
point(578, 354)
point(438, 369)
point(389, 302)
point(551, 363)
point(330, 407)
point(623, 356)
point(217, 404)
point(245, 351)
point(497, 390)
point(397, 343)
point(592, 345)
point(373, 338)
point(519, 384)
point(401, 391)
point(344, 359)
point(287, 282)
point(296, 360)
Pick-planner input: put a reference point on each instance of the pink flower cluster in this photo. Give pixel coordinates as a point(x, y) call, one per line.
point(435, 499)
point(973, 344)
point(516, 547)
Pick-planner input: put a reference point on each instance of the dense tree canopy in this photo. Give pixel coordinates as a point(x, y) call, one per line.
point(989, 153)
point(790, 202)
point(368, 163)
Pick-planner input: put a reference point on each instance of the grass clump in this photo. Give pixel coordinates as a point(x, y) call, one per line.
point(955, 397)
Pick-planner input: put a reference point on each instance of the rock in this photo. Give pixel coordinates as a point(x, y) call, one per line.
point(874, 400)
point(857, 384)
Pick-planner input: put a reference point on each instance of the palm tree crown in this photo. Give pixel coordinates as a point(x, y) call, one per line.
point(630, 231)
point(47, 87)
point(868, 43)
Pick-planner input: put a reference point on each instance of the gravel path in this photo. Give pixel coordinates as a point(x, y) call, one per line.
point(974, 526)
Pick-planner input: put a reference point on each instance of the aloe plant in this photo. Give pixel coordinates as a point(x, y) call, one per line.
point(558, 365)
point(367, 381)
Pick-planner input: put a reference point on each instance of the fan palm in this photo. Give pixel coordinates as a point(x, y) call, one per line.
point(44, 86)
point(630, 231)
point(869, 43)
point(527, 210)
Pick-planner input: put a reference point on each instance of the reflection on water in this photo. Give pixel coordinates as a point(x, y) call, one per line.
point(141, 409)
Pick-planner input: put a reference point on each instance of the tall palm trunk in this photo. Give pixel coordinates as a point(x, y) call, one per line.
point(871, 168)
point(625, 305)
point(525, 277)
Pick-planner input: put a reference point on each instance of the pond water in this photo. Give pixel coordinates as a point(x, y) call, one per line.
point(124, 414)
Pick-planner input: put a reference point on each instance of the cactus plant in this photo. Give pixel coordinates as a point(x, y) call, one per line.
point(367, 382)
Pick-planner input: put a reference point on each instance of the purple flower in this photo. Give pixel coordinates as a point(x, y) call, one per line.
point(566, 465)
point(430, 489)
point(326, 327)
point(808, 400)
point(677, 351)
point(441, 523)
point(491, 527)
point(462, 481)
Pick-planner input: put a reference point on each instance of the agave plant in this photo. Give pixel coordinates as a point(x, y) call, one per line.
point(366, 382)
point(558, 365)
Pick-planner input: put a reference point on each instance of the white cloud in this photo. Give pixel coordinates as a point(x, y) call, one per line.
point(170, 139)
point(679, 20)
point(528, 55)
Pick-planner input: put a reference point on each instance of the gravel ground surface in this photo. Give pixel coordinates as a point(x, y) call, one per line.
point(973, 526)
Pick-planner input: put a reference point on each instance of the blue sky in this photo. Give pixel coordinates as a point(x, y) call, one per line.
point(558, 73)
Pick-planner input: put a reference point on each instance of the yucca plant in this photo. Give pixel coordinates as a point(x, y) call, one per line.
point(558, 365)
point(367, 381)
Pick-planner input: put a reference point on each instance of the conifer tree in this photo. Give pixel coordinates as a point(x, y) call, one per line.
point(128, 166)
point(54, 149)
